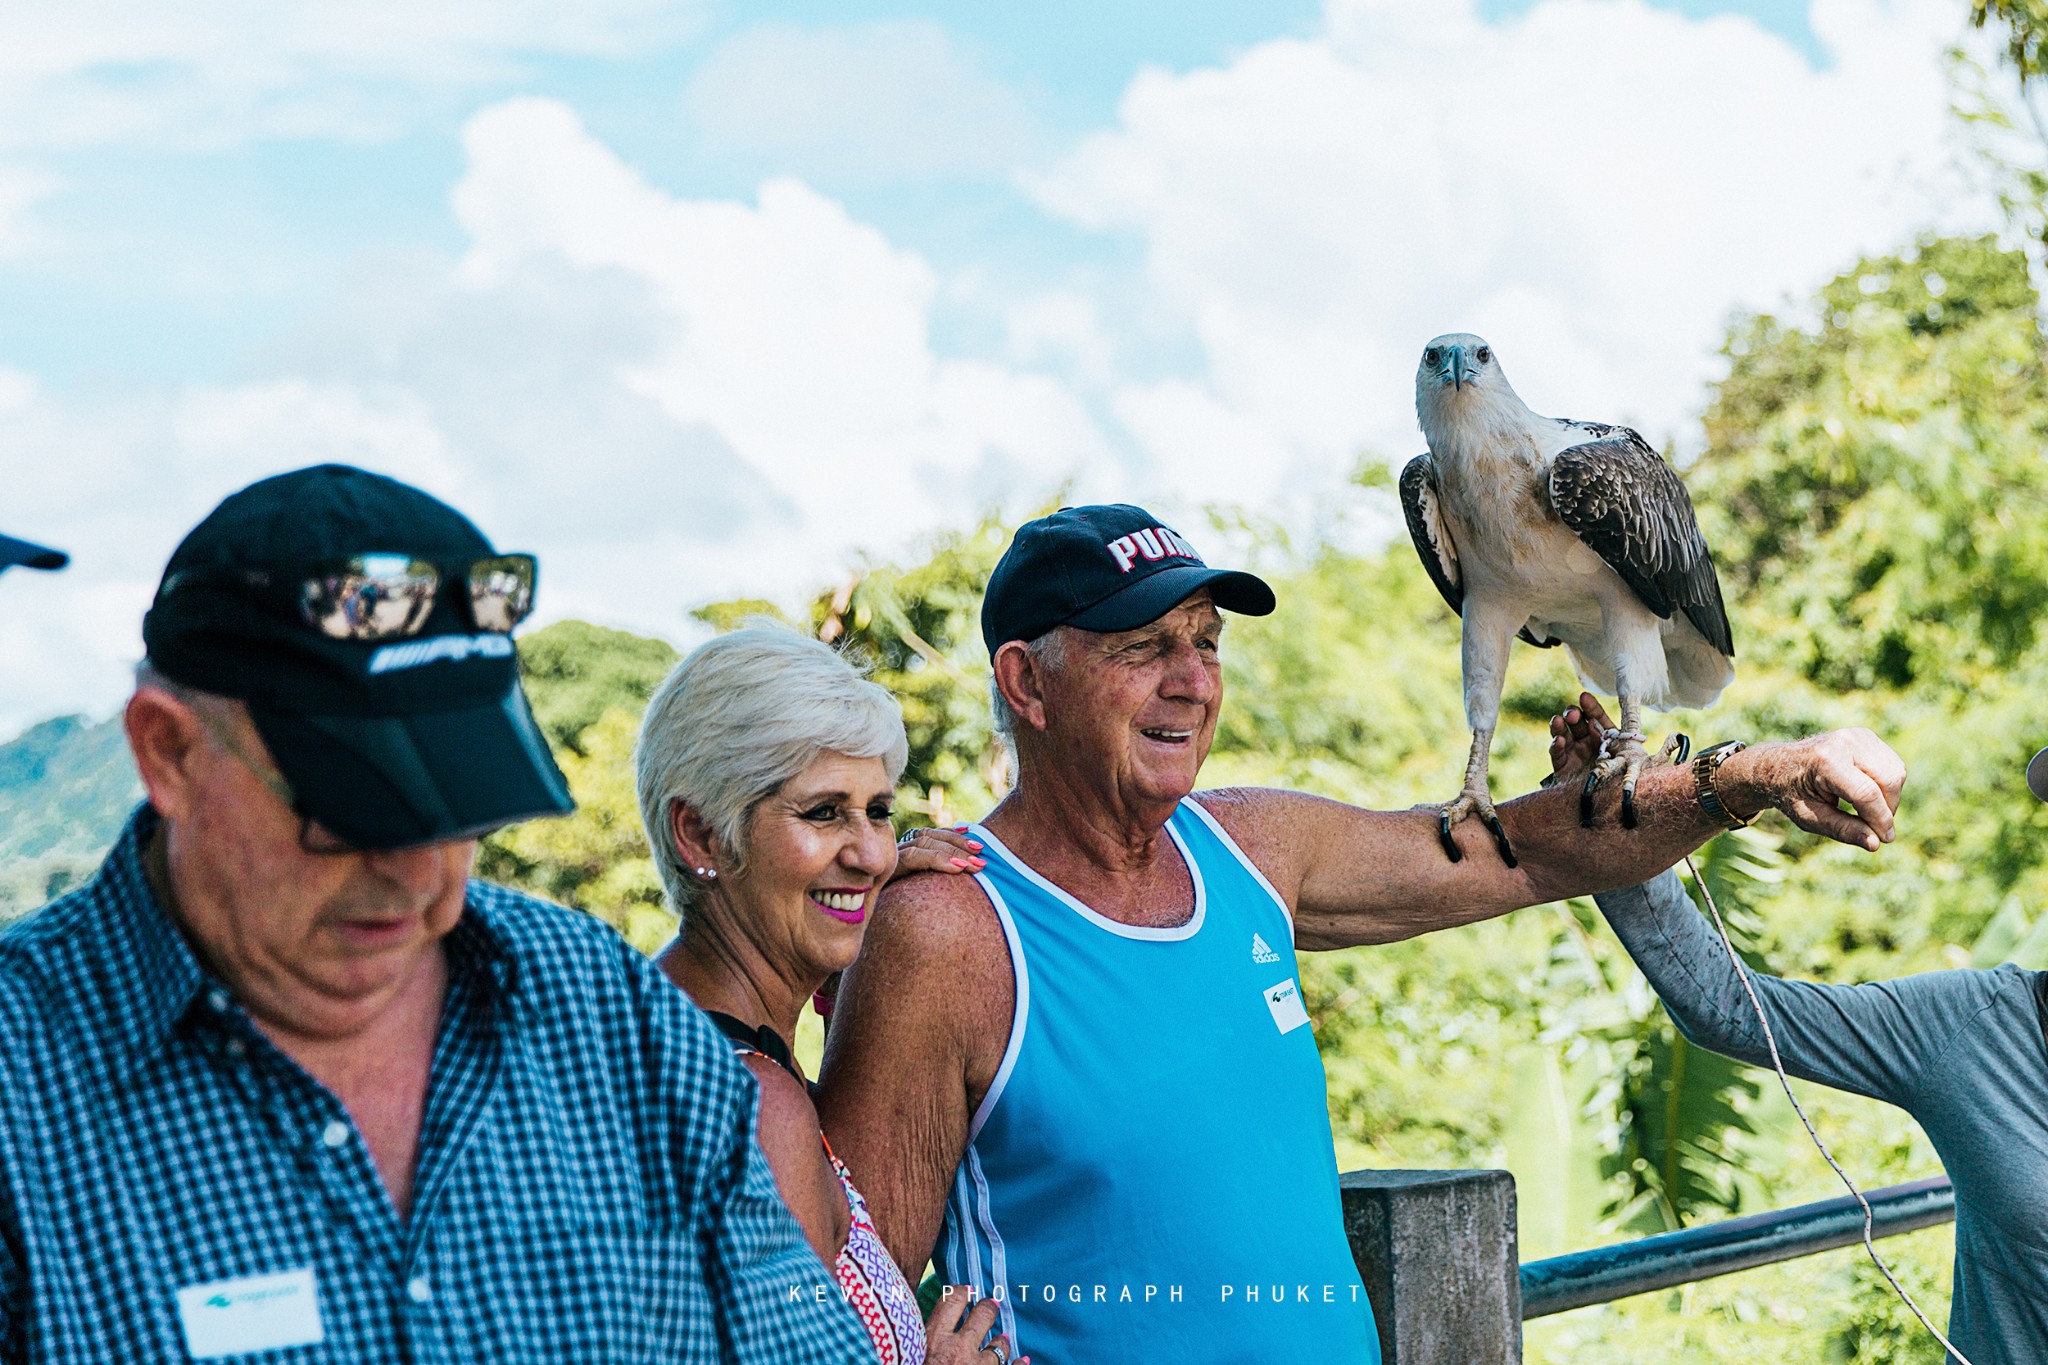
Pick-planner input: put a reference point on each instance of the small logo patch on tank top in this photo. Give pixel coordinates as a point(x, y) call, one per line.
point(1262, 953)
point(1285, 1002)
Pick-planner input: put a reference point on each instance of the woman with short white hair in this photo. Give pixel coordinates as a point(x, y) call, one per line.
point(767, 768)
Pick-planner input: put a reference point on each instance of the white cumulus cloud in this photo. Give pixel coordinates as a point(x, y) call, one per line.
point(670, 400)
point(858, 103)
point(676, 399)
point(214, 72)
point(1593, 186)
point(797, 335)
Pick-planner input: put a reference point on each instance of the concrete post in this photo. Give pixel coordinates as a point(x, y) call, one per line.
point(1436, 1252)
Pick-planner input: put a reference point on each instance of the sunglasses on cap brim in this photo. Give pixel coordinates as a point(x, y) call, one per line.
point(389, 596)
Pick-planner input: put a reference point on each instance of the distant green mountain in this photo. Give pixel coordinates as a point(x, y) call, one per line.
point(66, 786)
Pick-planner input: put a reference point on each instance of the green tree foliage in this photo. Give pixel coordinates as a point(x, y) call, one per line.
point(1677, 1124)
point(1873, 490)
point(576, 672)
point(588, 686)
point(1877, 1328)
point(1676, 1145)
point(2024, 25)
point(917, 627)
point(1867, 476)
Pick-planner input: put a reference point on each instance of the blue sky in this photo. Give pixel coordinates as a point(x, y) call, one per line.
point(700, 299)
point(183, 264)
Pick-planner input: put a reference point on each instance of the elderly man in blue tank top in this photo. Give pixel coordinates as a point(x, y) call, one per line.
point(1081, 1078)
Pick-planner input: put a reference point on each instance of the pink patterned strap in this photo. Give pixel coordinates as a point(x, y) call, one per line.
point(874, 1287)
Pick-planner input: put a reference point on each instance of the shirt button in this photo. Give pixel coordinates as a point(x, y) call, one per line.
point(334, 1134)
point(418, 1289)
point(217, 1001)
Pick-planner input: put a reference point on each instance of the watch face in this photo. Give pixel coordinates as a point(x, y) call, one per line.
point(1704, 769)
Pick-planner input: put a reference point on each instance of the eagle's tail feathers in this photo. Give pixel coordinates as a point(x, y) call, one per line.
point(1698, 673)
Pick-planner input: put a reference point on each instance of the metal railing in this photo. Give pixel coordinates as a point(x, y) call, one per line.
point(1562, 1283)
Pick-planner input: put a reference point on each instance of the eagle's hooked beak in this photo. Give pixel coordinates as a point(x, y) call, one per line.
point(1455, 366)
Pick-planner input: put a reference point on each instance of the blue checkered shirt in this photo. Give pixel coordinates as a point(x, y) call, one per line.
point(588, 1188)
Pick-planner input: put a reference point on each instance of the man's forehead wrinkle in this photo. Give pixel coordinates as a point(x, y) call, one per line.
point(1196, 615)
point(1198, 611)
point(1111, 639)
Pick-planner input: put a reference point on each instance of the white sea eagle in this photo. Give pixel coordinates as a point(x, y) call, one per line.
point(1563, 533)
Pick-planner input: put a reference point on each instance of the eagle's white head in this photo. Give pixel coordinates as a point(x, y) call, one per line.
point(1460, 384)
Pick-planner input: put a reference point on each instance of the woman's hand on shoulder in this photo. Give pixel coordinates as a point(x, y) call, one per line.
point(951, 851)
point(954, 1331)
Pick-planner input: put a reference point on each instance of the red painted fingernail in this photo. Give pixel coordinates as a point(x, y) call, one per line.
point(959, 862)
point(979, 863)
point(959, 829)
point(973, 845)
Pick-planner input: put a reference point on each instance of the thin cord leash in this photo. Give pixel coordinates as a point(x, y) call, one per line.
point(1771, 1041)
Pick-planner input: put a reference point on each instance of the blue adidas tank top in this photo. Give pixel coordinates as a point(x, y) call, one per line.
point(1151, 1175)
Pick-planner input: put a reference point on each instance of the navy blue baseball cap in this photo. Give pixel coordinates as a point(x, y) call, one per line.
point(389, 742)
point(29, 556)
point(1104, 568)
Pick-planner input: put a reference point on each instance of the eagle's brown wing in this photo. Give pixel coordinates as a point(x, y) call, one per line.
point(1632, 510)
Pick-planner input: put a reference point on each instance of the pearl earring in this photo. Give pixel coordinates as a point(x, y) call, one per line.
point(708, 873)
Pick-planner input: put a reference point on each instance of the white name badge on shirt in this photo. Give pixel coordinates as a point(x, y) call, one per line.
point(255, 1313)
point(1285, 1002)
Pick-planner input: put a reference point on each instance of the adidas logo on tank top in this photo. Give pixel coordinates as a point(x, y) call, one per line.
point(1261, 953)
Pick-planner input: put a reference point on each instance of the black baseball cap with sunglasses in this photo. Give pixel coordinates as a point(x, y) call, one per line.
point(368, 628)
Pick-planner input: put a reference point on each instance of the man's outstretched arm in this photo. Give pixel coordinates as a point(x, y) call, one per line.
point(1357, 876)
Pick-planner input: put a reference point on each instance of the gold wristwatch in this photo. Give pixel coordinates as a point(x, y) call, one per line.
point(1706, 765)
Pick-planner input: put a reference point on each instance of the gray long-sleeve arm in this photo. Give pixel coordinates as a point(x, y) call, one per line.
point(1883, 1039)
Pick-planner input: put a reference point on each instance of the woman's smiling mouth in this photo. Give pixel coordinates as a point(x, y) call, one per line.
point(848, 907)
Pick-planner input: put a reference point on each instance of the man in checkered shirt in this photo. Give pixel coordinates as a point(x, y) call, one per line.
point(282, 1084)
